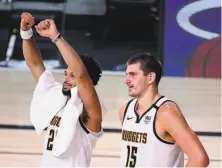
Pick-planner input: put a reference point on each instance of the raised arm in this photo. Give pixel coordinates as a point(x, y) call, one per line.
point(83, 82)
point(30, 49)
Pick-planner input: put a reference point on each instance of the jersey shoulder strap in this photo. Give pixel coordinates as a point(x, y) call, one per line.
point(127, 106)
point(161, 101)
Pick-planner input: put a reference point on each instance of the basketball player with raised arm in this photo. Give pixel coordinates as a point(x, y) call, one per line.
point(83, 73)
point(154, 131)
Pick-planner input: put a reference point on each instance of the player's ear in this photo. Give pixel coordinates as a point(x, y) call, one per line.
point(151, 77)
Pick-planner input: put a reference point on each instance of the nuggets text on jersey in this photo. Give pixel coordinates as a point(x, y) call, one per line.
point(132, 136)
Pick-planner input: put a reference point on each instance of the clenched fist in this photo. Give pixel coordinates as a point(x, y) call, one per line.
point(47, 28)
point(27, 21)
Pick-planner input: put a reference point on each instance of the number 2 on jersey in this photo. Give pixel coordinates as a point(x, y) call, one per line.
point(131, 156)
point(52, 135)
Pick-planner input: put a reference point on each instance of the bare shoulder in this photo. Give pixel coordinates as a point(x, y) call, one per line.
point(170, 108)
point(121, 111)
point(170, 112)
point(123, 108)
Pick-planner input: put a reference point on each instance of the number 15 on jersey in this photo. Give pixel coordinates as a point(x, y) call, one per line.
point(131, 156)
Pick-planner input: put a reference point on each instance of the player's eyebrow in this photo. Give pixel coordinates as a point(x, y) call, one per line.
point(131, 73)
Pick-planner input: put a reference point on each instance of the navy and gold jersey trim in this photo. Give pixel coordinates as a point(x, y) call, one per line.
point(83, 126)
point(138, 119)
point(154, 126)
point(127, 106)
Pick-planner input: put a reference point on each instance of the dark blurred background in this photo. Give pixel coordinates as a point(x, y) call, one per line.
point(113, 30)
point(109, 30)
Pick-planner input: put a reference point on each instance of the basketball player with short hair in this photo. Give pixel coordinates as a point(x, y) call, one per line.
point(154, 131)
point(83, 73)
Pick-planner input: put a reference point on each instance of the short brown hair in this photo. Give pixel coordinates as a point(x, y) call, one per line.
point(149, 63)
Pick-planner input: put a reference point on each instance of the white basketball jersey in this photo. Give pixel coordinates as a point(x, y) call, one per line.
point(141, 146)
point(79, 153)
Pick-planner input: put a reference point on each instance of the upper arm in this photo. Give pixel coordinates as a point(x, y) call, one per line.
point(91, 103)
point(37, 70)
point(121, 112)
point(175, 124)
point(33, 58)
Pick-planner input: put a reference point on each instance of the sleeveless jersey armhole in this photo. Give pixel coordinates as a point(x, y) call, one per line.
point(154, 124)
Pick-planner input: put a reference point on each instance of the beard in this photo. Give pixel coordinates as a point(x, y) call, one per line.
point(66, 92)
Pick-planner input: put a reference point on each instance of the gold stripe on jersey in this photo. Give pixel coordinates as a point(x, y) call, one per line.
point(55, 121)
point(132, 136)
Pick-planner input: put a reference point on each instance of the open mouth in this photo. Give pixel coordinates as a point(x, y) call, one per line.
point(66, 85)
point(130, 87)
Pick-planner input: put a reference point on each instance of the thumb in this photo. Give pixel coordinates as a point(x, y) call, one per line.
point(38, 30)
point(52, 23)
point(22, 24)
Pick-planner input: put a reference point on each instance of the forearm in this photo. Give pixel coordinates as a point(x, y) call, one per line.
point(31, 52)
point(71, 58)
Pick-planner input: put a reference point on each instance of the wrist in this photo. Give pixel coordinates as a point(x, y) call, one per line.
point(26, 34)
point(56, 38)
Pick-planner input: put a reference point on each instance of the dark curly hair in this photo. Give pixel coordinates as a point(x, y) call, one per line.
point(95, 72)
point(92, 67)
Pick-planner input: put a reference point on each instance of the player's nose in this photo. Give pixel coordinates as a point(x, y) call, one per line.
point(127, 81)
point(66, 78)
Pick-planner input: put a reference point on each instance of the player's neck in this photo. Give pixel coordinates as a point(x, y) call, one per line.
point(147, 100)
point(68, 98)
